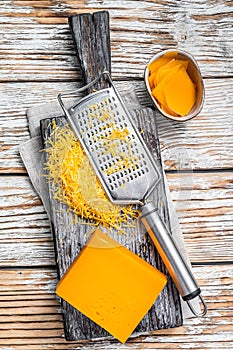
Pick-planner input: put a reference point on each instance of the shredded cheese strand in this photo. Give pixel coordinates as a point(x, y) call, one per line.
point(73, 182)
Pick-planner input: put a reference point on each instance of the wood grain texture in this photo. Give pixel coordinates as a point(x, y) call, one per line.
point(203, 202)
point(91, 36)
point(30, 315)
point(38, 60)
point(37, 44)
point(25, 230)
point(201, 143)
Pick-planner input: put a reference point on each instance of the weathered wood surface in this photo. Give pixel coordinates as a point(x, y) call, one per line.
point(201, 143)
point(38, 60)
point(30, 315)
point(203, 202)
point(37, 44)
point(91, 37)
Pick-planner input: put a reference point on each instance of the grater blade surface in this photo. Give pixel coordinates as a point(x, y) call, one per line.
point(114, 146)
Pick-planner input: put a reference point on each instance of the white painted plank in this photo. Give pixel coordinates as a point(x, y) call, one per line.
point(204, 142)
point(203, 203)
point(37, 43)
point(25, 230)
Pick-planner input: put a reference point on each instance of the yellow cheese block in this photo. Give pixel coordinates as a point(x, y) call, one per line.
point(111, 285)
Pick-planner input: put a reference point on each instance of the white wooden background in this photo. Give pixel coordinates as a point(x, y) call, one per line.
point(37, 60)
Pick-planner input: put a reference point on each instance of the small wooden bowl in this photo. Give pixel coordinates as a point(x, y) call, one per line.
point(194, 73)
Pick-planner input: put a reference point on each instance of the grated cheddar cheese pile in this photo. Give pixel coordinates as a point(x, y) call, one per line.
point(74, 182)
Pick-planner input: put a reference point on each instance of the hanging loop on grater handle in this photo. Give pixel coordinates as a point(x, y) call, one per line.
point(86, 87)
point(127, 171)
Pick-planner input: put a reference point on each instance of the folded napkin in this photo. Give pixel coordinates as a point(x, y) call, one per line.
point(33, 160)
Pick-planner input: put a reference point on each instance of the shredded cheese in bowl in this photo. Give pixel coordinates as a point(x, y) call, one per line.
point(74, 182)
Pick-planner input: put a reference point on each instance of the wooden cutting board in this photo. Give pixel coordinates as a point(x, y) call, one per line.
point(92, 43)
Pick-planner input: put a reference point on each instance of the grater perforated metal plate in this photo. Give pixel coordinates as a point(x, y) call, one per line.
point(114, 146)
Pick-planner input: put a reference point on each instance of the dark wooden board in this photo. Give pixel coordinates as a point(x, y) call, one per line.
point(69, 238)
point(91, 36)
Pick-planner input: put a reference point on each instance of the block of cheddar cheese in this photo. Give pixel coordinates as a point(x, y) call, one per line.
point(111, 285)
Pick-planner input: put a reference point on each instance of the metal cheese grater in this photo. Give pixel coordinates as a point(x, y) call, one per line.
point(126, 170)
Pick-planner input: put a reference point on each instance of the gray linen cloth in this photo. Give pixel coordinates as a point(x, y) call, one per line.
point(32, 157)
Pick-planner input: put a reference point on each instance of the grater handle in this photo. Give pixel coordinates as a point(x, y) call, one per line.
point(105, 75)
point(173, 260)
